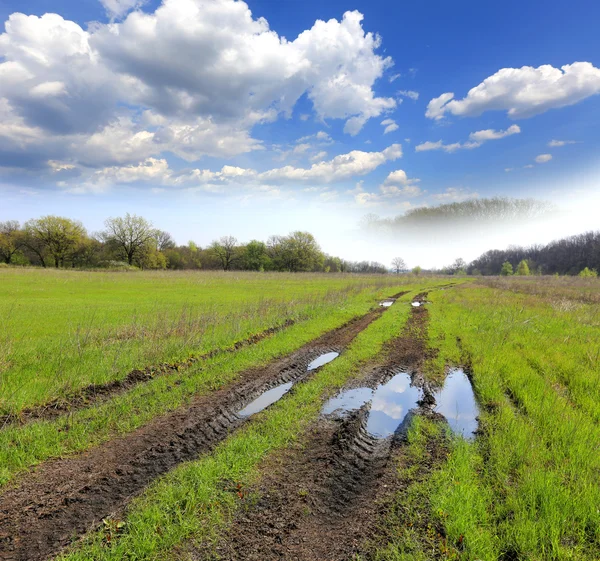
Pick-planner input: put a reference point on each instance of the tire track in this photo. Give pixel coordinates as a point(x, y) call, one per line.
point(65, 498)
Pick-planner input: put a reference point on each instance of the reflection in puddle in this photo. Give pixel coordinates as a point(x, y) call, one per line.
point(266, 399)
point(390, 403)
point(275, 394)
point(386, 303)
point(320, 361)
point(456, 401)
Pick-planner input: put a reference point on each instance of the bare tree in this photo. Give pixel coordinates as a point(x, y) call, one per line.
point(164, 240)
point(225, 250)
point(398, 264)
point(129, 234)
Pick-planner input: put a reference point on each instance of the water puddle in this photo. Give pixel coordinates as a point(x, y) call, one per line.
point(266, 399)
point(456, 401)
point(275, 394)
point(387, 303)
point(322, 360)
point(390, 402)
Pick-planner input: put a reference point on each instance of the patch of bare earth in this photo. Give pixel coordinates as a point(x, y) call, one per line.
point(322, 499)
point(62, 499)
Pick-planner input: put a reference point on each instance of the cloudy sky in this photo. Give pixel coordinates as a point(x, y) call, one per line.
point(214, 117)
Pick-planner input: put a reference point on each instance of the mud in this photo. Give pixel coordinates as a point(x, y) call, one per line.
point(62, 499)
point(321, 499)
point(95, 393)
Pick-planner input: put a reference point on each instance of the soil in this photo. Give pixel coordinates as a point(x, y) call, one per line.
point(322, 499)
point(62, 499)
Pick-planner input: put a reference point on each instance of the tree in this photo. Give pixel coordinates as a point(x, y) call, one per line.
point(459, 267)
point(128, 235)
point(523, 268)
point(225, 250)
point(255, 257)
point(59, 236)
point(417, 270)
point(507, 269)
point(11, 240)
point(398, 264)
point(296, 253)
point(587, 272)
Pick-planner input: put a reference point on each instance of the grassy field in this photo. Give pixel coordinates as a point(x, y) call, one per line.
point(525, 487)
point(63, 330)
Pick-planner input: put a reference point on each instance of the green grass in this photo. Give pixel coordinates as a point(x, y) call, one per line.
point(528, 488)
point(24, 446)
point(63, 330)
point(196, 500)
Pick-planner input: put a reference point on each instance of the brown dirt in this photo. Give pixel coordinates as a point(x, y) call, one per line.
point(321, 499)
point(65, 498)
point(95, 393)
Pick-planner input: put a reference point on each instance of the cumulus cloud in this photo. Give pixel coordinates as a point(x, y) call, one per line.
point(341, 168)
point(522, 92)
point(142, 83)
point(390, 125)
point(476, 139)
point(395, 189)
point(543, 158)
point(491, 134)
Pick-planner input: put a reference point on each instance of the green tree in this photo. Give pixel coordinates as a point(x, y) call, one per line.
point(128, 235)
point(587, 272)
point(507, 269)
point(59, 236)
point(417, 270)
point(297, 252)
point(11, 240)
point(255, 256)
point(523, 269)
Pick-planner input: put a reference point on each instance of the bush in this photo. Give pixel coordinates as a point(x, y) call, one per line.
point(587, 272)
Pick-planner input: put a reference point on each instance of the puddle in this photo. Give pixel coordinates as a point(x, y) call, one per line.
point(320, 361)
point(387, 303)
point(275, 394)
point(390, 403)
point(266, 399)
point(456, 401)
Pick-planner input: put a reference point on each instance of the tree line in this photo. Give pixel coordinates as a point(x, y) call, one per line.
point(133, 242)
point(575, 255)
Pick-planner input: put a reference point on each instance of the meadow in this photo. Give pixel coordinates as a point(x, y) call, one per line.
point(523, 486)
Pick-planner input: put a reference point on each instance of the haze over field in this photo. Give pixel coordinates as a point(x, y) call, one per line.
point(219, 117)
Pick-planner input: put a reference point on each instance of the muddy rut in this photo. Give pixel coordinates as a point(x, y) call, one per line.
point(321, 499)
point(95, 393)
point(65, 498)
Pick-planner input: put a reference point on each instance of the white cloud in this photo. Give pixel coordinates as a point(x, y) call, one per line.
point(439, 145)
point(390, 125)
point(560, 143)
point(340, 168)
point(522, 92)
point(543, 158)
point(476, 139)
point(491, 134)
point(319, 156)
point(409, 93)
point(396, 187)
point(394, 77)
point(192, 78)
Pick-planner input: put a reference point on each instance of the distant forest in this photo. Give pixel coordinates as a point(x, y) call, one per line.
point(568, 256)
point(133, 242)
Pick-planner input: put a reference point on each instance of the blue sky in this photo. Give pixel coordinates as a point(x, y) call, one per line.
point(200, 115)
